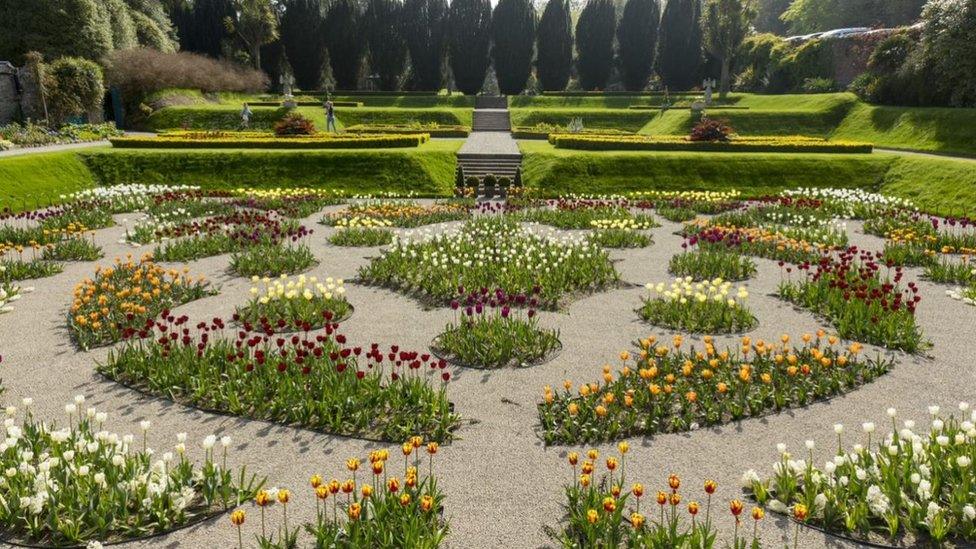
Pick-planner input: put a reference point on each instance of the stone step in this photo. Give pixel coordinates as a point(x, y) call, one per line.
point(472, 157)
point(491, 102)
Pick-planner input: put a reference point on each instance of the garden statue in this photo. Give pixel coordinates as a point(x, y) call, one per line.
point(289, 99)
point(708, 84)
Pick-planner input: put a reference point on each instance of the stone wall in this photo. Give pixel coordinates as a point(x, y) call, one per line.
point(19, 94)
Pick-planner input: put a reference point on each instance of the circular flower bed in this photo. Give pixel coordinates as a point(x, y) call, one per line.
point(493, 252)
point(698, 307)
point(297, 304)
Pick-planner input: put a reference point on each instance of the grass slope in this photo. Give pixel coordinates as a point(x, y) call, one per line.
point(949, 131)
point(427, 170)
point(936, 185)
point(37, 180)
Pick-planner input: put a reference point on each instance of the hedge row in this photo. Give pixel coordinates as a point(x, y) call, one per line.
point(534, 132)
point(749, 144)
point(341, 142)
point(433, 131)
point(305, 103)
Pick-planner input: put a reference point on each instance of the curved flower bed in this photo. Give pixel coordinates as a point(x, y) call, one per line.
point(665, 388)
point(698, 307)
point(310, 379)
point(399, 213)
point(906, 485)
point(127, 296)
point(302, 303)
point(493, 253)
point(81, 484)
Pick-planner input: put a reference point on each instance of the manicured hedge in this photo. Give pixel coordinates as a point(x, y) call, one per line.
point(792, 144)
point(427, 171)
point(534, 132)
point(629, 120)
point(433, 131)
point(341, 141)
point(306, 103)
point(228, 117)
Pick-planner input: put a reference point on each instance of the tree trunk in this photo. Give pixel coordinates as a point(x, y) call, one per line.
point(256, 57)
point(724, 83)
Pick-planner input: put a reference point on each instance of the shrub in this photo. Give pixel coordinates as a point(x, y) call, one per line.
point(711, 129)
point(142, 71)
point(818, 85)
point(73, 86)
point(294, 124)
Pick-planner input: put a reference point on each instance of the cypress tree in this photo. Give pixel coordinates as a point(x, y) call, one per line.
point(469, 43)
point(424, 26)
point(637, 40)
point(387, 49)
point(343, 40)
point(594, 43)
point(513, 38)
point(207, 25)
point(554, 46)
point(679, 51)
point(303, 39)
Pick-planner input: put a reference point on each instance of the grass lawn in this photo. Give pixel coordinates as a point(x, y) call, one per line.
point(37, 180)
point(427, 170)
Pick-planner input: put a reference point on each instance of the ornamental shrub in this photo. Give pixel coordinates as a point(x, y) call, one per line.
point(294, 124)
point(711, 129)
point(74, 86)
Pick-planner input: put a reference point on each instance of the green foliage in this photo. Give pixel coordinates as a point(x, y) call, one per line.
point(491, 340)
point(767, 16)
point(806, 16)
point(725, 24)
point(345, 43)
point(73, 86)
point(554, 46)
point(272, 260)
point(513, 37)
point(424, 28)
point(594, 43)
point(755, 59)
point(206, 30)
point(469, 43)
point(255, 24)
point(55, 28)
point(387, 47)
point(121, 23)
point(949, 49)
point(303, 38)
point(679, 56)
point(637, 39)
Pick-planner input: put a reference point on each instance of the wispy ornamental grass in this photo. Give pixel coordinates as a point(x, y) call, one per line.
point(492, 252)
point(272, 260)
point(708, 262)
point(493, 331)
point(90, 480)
point(859, 297)
point(698, 307)
point(667, 387)
point(369, 393)
point(291, 305)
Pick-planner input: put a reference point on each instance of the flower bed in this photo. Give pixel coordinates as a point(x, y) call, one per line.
point(947, 271)
point(783, 144)
point(620, 233)
point(299, 304)
point(272, 260)
point(9, 293)
point(105, 487)
point(269, 141)
point(15, 269)
point(543, 131)
point(781, 245)
point(850, 290)
point(382, 511)
point(217, 235)
point(703, 202)
point(698, 307)
point(580, 213)
point(400, 213)
point(290, 202)
point(852, 203)
point(492, 252)
point(127, 296)
point(664, 388)
point(904, 486)
point(492, 332)
point(135, 197)
point(359, 392)
point(361, 232)
point(601, 511)
point(708, 262)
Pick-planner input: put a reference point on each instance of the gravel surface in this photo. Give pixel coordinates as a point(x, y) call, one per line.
point(502, 484)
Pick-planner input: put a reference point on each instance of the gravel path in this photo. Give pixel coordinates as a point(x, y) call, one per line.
point(489, 143)
point(502, 484)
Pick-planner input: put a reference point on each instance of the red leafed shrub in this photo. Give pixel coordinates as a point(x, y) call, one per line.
point(294, 124)
point(143, 71)
point(711, 129)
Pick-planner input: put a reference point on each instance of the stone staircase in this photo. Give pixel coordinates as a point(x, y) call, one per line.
point(490, 148)
point(491, 120)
